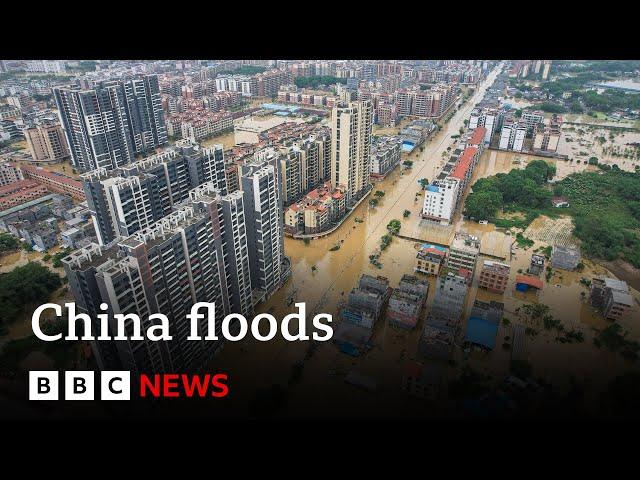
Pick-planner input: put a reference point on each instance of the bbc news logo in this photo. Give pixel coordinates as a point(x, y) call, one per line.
point(116, 385)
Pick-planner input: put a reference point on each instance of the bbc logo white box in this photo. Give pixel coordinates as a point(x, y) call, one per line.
point(79, 385)
point(115, 385)
point(43, 385)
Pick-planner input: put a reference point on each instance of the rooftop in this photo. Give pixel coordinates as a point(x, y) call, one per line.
point(464, 162)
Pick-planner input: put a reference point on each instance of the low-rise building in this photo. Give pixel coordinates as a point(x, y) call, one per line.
point(494, 276)
point(483, 323)
point(440, 200)
point(611, 296)
point(406, 302)
point(20, 192)
point(536, 266)
point(55, 181)
point(316, 212)
point(565, 257)
point(385, 156)
point(363, 309)
point(463, 252)
point(430, 259)
point(448, 302)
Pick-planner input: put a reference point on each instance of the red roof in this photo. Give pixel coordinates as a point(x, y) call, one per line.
point(434, 250)
point(464, 163)
point(465, 273)
point(53, 176)
point(478, 136)
point(529, 280)
point(17, 186)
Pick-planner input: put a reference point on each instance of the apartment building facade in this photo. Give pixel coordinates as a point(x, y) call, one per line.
point(183, 259)
point(351, 126)
point(47, 143)
point(132, 197)
point(108, 125)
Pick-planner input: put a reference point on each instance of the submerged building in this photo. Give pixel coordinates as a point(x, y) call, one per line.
point(406, 302)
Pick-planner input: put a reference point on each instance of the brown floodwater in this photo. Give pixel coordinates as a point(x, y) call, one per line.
point(580, 143)
point(323, 279)
point(324, 289)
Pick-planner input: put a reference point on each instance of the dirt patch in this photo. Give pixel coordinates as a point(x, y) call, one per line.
point(552, 231)
point(624, 271)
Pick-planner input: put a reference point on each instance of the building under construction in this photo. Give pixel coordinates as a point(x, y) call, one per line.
point(406, 302)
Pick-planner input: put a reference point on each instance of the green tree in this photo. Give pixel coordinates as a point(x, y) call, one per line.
point(8, 242)
point(483, 205)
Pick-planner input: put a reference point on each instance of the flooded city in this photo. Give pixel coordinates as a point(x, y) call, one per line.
point(323, 279)
point(165, 224)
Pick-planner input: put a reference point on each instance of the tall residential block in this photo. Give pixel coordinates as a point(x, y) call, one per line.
point(260, 184)
point(108, 125)
point(134, 196)
point(198, 253)
point(351, 148)
point(47, 143)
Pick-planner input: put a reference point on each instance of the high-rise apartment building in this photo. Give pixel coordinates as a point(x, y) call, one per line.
point(351, 148)
point(132, 197)
point(108, 125)
point(304, 165)
point(198, 253)
point(260, 184)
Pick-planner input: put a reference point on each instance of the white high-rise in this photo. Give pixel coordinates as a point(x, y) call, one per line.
point(351, 148)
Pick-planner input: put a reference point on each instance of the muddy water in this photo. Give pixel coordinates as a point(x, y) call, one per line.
point(323, 278)
point(256, 364)
point(580, 143)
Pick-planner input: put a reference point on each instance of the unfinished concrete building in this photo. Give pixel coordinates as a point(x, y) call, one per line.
point(406, 302)
point(565, 257)
point(611, 296)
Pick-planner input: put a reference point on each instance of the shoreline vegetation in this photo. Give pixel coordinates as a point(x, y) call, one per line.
point(604, 206)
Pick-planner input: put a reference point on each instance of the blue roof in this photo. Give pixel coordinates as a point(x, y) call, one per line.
point(430, 245)
point(482, 332)
point(433, 188)
point(279, 106)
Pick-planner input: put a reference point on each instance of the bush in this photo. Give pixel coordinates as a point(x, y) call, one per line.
point(8, 242)
point(24, 285)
